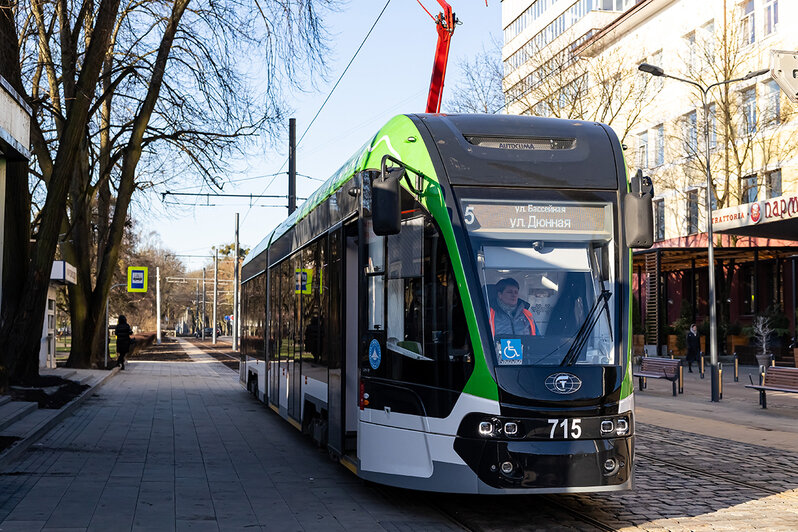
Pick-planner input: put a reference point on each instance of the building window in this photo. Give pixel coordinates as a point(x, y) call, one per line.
point(748, 125)
point(642, 150)
point(692, 51)
point(749, 189)
point(713, 127)
point(691, 133)
point(659, 218)
point(708, 37)
point(772, 111)
point(773, 183)
point(692, 212)
point(747, 23)
point(771, 16)
point(659, 145)
point(656, 59)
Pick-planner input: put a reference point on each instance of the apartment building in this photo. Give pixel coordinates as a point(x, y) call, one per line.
point(578, 59)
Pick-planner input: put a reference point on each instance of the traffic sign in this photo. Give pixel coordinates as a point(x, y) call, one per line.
point(784, 70)
point(137, 279)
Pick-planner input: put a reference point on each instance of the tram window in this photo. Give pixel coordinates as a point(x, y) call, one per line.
point(287, 314)
point(376, 302)
point(310, 324)
point(405, 250)
point(376, 250)
point(546, 298)
point(274, 313)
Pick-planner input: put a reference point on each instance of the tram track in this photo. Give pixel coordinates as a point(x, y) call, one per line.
point(706, 473)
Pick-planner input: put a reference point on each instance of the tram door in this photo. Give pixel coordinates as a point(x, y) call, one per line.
point(273, 335)
point(342, 390)
point(286, 334)
point(295, 357)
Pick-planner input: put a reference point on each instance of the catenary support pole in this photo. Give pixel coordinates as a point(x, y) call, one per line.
point(204, 317)
point(215, 291)
point(158, 304)
point(291, 166)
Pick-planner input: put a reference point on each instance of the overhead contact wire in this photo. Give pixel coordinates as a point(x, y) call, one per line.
point(328, 96)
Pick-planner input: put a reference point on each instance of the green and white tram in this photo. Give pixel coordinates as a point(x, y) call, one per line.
point(451, 310)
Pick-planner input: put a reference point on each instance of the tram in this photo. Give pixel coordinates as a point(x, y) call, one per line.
point(450, 311)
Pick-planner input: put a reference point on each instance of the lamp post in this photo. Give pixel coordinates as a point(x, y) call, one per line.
point(713, 319)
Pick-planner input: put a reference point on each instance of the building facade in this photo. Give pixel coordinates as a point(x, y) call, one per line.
point(586, 67)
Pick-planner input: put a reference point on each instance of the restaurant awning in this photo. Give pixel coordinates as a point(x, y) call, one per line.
point(773, 218)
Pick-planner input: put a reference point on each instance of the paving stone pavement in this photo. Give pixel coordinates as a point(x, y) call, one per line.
point(181, 446)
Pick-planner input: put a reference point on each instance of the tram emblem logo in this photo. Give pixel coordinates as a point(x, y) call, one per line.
point(563, 383)
point(375, 354)
point(511, 352)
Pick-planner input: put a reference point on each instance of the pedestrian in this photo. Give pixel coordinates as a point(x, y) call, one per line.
point(693, 347)
point(123, 340)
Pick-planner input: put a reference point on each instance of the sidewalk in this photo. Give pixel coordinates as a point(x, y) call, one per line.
point(179, 446)
point(737, 416)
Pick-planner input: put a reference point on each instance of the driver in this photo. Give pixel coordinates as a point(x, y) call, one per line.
point(512, 314)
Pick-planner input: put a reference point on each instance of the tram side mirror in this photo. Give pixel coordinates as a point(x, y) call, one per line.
point(386, 216)
point(638, 214)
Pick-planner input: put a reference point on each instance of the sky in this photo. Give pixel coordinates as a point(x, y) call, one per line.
point(389, 76)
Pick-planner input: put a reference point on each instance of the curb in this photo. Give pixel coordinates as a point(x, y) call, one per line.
point(32, 437)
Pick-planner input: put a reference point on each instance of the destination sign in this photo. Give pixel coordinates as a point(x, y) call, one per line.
point(534, 218)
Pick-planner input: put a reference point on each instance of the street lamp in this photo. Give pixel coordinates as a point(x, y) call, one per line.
point(713, 320)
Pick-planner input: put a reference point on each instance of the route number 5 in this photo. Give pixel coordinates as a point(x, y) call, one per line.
point(575, 431)
point(469, 215)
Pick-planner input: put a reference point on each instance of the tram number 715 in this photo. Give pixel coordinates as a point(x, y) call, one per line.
point(574, 432)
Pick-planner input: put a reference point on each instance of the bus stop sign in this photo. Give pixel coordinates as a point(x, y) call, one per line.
point(784, 70)
point(137, 279)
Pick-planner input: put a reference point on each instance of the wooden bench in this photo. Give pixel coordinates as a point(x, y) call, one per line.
point(777, 379)
point(660, 368)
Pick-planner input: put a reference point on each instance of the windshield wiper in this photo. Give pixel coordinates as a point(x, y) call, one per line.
point(584, 331)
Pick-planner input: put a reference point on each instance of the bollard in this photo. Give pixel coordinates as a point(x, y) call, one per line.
point(720, 380)
point(736, 368)
point(681, 378)
point(670, 352)
point(701, 364)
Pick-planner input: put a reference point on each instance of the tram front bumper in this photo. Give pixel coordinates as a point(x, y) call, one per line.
point(550, 465)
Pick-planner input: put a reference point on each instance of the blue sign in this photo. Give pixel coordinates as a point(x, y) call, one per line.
point(375, 354)
point(511, 351)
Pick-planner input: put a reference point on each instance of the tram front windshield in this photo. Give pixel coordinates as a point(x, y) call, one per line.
point(548, 281)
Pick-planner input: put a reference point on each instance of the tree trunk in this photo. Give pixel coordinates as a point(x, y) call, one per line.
point(20, 335)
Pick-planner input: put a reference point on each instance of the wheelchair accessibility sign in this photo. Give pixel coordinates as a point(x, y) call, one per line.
point(511, 351)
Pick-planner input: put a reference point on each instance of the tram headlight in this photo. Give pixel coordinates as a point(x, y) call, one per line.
point(510, 428)
point(622, 426)
point(607, 426)
point(485, 428)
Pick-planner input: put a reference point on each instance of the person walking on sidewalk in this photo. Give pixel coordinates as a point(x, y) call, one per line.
point(693, 347)
point(123, 341)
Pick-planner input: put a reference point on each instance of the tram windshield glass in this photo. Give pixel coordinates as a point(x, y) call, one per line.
point(547, 272)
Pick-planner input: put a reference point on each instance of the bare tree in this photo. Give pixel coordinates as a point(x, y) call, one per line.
point(606, 88)
point(762, 331)
point(480, 87)
point(167, 95)
point(22, 319)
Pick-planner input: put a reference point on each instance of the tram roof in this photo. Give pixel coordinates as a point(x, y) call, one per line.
point(532, 151)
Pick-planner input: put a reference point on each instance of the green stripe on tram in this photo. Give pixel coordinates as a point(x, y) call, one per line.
point(394, 139)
